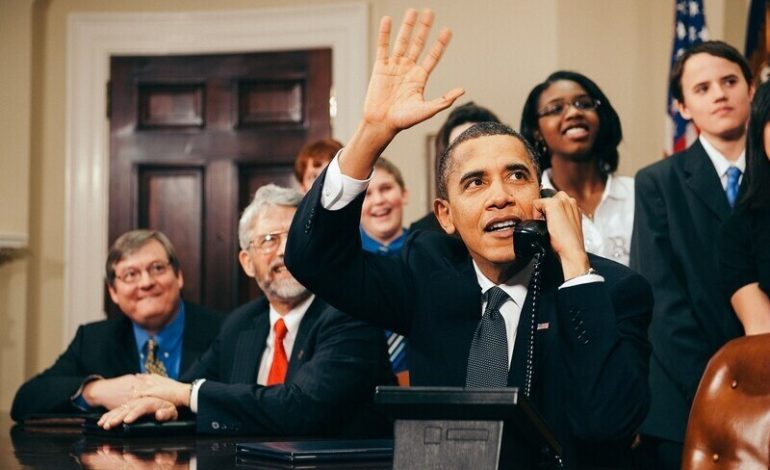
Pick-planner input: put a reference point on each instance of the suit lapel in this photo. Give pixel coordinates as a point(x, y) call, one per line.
point(300, 352)
point(191, 347)
point(545, 325)
point(129, 357)
point(704, 181)
point(249, 348)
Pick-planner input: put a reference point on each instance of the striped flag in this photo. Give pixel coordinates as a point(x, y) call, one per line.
point(758, 40)
point(689, 30)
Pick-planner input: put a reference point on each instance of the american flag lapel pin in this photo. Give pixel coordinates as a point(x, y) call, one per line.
point(542, 326)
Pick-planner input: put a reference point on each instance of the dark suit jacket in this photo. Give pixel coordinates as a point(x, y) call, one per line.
point(591, 360)
point(105, 348)
point(335, 364)
point(680, 205)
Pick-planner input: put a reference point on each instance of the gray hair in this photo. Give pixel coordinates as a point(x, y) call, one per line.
point(269, 195)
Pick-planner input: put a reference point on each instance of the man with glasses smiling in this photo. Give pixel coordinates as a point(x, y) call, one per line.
point(158, 333)
point(284, 364)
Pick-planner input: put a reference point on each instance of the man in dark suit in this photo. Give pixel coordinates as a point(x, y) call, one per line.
point(285, 364)
point(586, 372)
point(97, 370)
point(680, 204)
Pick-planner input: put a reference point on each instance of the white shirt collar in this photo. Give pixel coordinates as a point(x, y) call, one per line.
point(515, 287)
point(291, 319)
point(720, 162)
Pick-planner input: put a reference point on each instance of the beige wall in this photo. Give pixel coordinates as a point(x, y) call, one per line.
point(501, 48)
point(15, 103)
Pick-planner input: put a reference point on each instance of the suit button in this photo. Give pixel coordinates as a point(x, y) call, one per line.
point(215, 425)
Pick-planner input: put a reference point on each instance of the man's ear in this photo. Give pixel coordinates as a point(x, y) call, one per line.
point(683, 110)
point(444, 215)
point(113, 293)
point(180, 279)
point(248, 267)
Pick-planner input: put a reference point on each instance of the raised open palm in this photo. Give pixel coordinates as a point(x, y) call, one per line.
point(395, 99)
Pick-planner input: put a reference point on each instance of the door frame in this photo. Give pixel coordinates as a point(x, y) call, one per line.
point(93, 37)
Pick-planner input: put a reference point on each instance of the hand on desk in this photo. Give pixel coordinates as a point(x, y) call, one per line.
point(151, 385)
point(110, 393)
point(134, 409)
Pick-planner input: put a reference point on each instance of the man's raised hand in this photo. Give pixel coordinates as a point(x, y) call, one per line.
point(395, 98)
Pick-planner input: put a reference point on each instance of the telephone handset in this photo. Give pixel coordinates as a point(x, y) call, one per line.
point(531, 240)
point(530, 237)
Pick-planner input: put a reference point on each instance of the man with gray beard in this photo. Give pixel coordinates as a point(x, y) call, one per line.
point(284, 364)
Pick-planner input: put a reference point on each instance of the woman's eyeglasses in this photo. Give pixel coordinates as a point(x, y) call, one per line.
point(581, 103)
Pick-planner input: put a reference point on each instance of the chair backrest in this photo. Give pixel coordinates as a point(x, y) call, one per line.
point(729, 424)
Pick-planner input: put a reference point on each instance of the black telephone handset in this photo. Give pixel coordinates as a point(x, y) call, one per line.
point(531, 240)
point(530, 237)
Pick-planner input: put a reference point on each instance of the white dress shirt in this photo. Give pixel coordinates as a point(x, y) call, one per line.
point(291, 319)
point(609, 233)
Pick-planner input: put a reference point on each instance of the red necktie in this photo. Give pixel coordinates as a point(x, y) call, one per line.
point(280, 363)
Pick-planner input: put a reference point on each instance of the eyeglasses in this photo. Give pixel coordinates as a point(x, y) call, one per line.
point(155, 270)
point(268, 242)
point(581, 103)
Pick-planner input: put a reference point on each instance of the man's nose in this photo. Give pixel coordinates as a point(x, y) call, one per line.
point(499, 196)
point(282, 245)
point(719, 92)
point(146, 279)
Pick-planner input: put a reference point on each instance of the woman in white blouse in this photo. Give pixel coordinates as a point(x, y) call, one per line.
point(576, 130)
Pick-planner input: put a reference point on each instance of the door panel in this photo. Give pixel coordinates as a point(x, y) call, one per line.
point(192, 138)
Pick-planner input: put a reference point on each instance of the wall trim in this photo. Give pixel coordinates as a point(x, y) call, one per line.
point(93, 37)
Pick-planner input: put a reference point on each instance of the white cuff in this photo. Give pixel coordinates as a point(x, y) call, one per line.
point(338, 189)
point(582, 279)
point(196, 385)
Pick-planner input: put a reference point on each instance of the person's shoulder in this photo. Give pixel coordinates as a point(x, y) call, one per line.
point(427, 222)
point(658, 168)
point(330, 316)
point(434, 244)
point(246, 313)
point(106, 326)
point(624, 181)
point(202, 312)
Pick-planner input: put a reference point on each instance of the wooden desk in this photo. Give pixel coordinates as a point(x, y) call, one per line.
point(68, 448)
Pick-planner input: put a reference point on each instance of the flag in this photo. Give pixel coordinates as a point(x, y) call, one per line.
point(758, 39)
point(689, 30)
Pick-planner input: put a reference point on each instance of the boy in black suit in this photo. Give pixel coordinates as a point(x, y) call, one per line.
point(680, 204)
point(580, 357)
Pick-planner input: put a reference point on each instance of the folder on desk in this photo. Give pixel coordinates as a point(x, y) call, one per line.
point(318, 451)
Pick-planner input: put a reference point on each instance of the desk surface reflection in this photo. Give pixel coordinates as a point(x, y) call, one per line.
point(65, 447)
